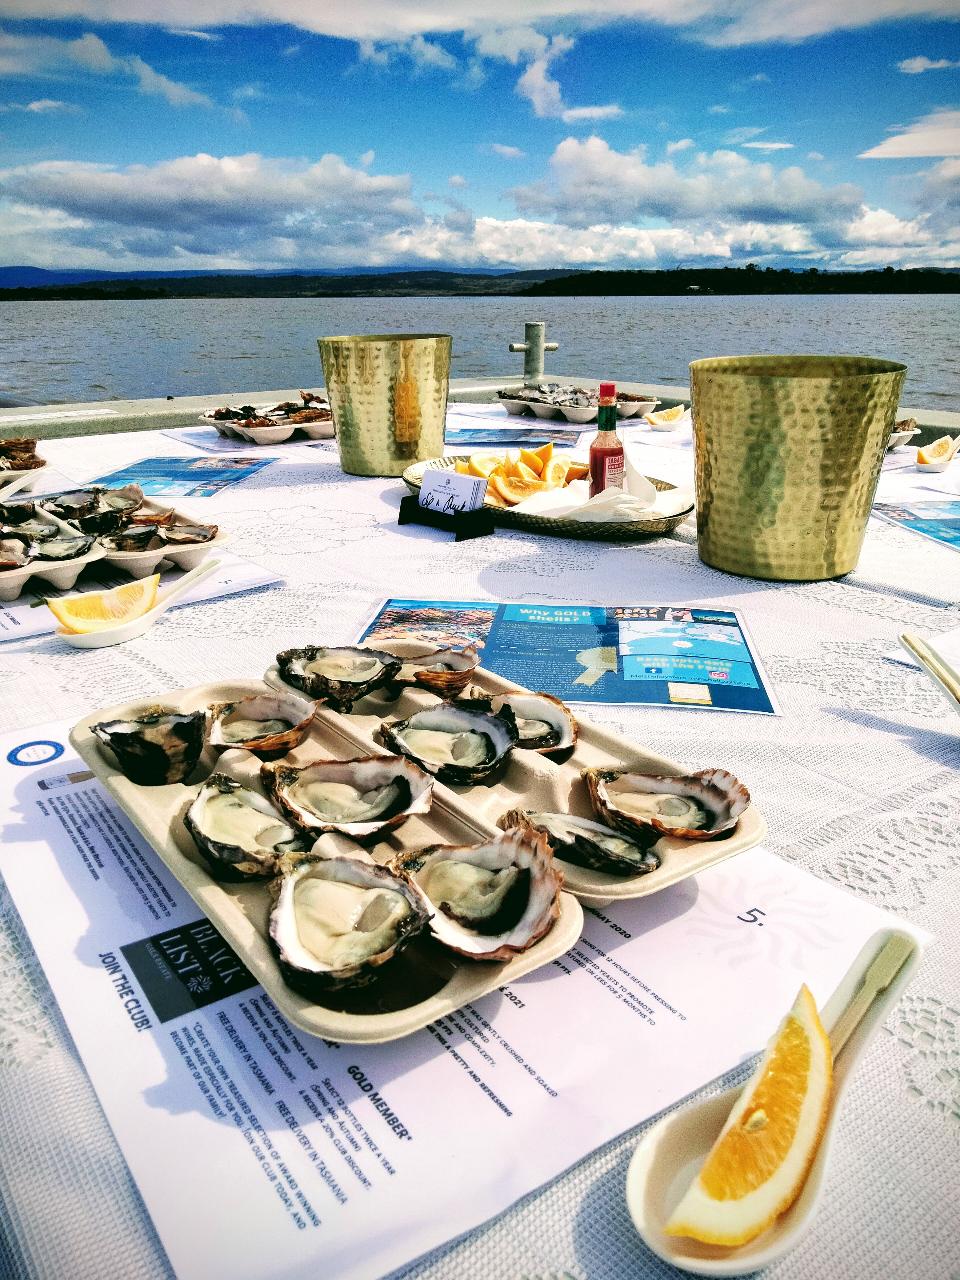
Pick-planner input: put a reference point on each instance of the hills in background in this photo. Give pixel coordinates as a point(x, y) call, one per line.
point(25, 283)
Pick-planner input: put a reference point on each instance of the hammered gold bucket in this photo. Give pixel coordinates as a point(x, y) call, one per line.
point(787, 452)
point(388, 394)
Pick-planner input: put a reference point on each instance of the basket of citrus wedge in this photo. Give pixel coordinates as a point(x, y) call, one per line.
point(515, 475)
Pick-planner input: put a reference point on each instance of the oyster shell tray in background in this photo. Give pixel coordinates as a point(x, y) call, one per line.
point(240, 910)
point(534, 782)
point(597, 531)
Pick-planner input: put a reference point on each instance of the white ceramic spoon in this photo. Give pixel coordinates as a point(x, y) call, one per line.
point(671, 1153)
point(8, 490)
point(137, 626)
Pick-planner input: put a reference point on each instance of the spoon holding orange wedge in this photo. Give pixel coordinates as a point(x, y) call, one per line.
point(97, 619)
point(693, 1169)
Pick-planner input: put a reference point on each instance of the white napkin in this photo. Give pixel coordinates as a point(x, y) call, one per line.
point(641, 500)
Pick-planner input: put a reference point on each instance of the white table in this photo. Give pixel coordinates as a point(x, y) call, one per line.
point(858, 779)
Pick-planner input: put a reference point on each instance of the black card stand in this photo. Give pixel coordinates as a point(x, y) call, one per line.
point(462, 524)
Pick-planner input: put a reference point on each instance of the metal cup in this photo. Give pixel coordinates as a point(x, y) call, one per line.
point(787, 452)
point(388, 394)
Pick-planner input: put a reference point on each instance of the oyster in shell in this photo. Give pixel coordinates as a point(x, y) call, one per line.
point(135, 537)
point(70, 506)
point(544, 723)
point(338, 676)
point(492, 900)
point(362, 798)
point(454, 743)
point(238, 831)
point(186, 534)
point(443, 671)
point(158, 746)
point(15, 552)
point(696, 806)
point(268, 724)
point(336, 921)
point(64, 546)
point(111, 509)
point(586, 843)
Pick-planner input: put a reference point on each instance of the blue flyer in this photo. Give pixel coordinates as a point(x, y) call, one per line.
point(654, 655)
point(184, 477)
point(937, 520)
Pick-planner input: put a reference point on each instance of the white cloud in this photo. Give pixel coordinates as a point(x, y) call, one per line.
point(718, 109)
point(916, 66)
point(881, 227)
point(426, 53)
point(194, 35)
point(41, 107)
point(539, 87)
point(682, 144)
point(41, 55)
point(816, 155)
point(728, 22)
point(248, 93)
point(457, 180)
point(768, 146)
point(508, 152)
point(367, 159)
point(936, 134)
point(512, 44)
point(735, 137)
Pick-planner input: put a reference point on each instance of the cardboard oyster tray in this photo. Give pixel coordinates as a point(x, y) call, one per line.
point(426, 981)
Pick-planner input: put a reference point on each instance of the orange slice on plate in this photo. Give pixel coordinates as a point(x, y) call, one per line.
point(514, 489)
point(554, 473)
point(577, 471)
point(759, 1163)
point(532, 460)
point(666, 415)
point(481, 464)
point(97, 610)
point(545, 452)
point(941, 450)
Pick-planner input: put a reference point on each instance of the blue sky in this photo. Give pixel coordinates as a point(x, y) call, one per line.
point(550, 133)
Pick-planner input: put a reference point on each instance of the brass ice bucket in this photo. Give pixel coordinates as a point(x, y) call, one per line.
point(788, 451)
point(388, 393)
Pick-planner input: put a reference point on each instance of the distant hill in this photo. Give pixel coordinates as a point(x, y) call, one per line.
point(35, 283)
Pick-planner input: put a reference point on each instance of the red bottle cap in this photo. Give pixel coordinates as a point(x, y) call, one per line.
point(608, 390)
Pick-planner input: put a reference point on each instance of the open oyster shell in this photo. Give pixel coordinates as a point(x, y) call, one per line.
point(64, 546)
point(696, 806)
point(443, 671)
point(454, 743)
point(338, 676)
point(361, 798)
point(544, 723)
point(336, 921)
point(159, 746)
point(268, 724)
point(15, 552)
point(586, 843)
point(492, 900)
point(238, 831)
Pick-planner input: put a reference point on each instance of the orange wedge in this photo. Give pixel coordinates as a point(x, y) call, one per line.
point(96, 610)
point(666, 415)
point(513, 489)
point(481, 464)
point(463, 468)
point(759, 1163)
point(532, 460)
point(554, 473)
point(577, 471)
point(544, 453)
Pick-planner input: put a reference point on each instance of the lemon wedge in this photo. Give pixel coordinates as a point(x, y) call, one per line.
point(941, 450)
point(666, 416)
point(97, 610)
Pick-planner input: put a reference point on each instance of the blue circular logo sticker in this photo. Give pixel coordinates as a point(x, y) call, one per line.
point(31, 753)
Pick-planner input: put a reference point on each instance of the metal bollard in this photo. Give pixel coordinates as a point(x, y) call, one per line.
point(533, 349)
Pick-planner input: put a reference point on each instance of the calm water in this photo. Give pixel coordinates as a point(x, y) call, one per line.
point(75, 351)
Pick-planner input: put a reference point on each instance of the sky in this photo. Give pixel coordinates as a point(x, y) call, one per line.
point(508, 134)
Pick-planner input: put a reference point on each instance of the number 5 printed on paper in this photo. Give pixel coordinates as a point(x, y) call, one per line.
point(750, 917)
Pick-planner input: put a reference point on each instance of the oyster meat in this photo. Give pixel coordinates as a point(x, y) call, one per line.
point(238, 831)
point(492, 900)
point(585, 843)
point(696, 806)
point(362, 798)
point(64, 546)
point(268, 724)
point(158, 746)
point(454, 743)
point(338, 676)
point(337, 921)
point(544, 723)
point(135, 537)
point(443, 671)
point(15, 552)
point(177, 535)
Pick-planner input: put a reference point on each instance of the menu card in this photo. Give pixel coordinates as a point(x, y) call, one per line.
point(260, 1150)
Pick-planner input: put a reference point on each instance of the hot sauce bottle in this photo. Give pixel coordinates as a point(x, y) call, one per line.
point(606, 449)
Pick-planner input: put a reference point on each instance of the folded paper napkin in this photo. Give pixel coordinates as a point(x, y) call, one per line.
point(639, 500)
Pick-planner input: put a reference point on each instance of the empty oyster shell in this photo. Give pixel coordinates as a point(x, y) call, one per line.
point(586, 843)
point(454, 743)
point(268, 724)
point(361, 798)
point(238, 831)
point(443, 671)
point(697, 806)
point(338, 676)
point(491, 900)
point(336, 921)
point(158, 746)
point(544, 723)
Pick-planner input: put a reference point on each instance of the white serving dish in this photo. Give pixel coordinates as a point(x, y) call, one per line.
point(62, 574)
point(579, 413)
point(140, 564)
point(29, 478)
point(543, 410)
point(515, 406)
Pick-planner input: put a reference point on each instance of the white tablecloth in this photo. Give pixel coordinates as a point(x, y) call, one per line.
point(858, 780)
